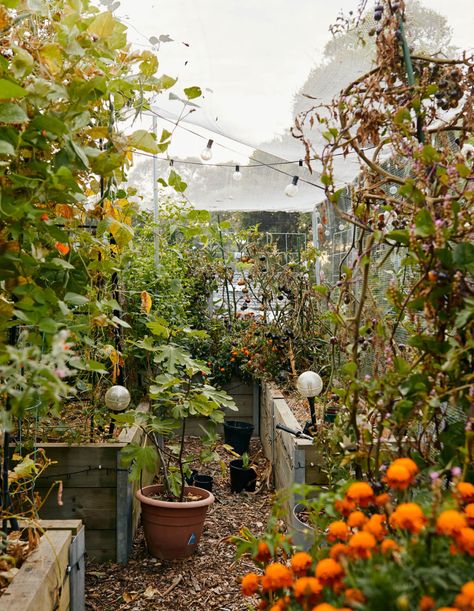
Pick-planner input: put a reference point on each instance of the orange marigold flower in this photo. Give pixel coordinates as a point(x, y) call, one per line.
point(469, 513)
point(263, 552)
point(408, 516)
point(408, 464)
point(466, 492)
point(329, 572)
point(357, 519)
point(448, 609)
point(276, 576)
point(324, 607)
point(388, 545)
point(361, 544)
point(450, 522)
point(353, 595)
point(338, 550)
point(301, 562)
point(338, 531)
point(427, 603)
point(360, 493)
point(465, 541)
point(344, 506)
point(375, 526)
point(250, 583)
point(62, 248)
point(398, 477)
point(382, 499)
point(308, 588)
point(465, 600)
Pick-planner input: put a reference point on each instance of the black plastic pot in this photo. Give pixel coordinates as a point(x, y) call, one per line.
point(237, 434)
point(190, 478)
point(330, 414)
point(203, 481)
point(240, 478)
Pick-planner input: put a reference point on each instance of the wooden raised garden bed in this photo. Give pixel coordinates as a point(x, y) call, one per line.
point(97, 491)
point(52, 577)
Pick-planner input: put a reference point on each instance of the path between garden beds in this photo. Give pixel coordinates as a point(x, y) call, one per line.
point(210, 579)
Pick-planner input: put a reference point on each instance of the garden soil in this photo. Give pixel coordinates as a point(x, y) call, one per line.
point(210, 579)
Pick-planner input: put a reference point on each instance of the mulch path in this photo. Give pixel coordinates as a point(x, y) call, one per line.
point(210, 579)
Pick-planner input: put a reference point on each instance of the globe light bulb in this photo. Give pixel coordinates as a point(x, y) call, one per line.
point(327, 233)
point(393, 190)
point(292, 189)
point(206, 154)
point(237, 175)
point(117, 398)
point(341, 227)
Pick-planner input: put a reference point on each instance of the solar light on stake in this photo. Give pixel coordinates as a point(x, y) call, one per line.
point(310, 385)
point(117, 398)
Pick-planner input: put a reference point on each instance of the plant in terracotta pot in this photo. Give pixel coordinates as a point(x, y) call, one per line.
point(173, 512)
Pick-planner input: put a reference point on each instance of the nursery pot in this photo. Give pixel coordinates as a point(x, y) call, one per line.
point(330, 414)
point(203, 481)
point(240, 478)
point(301, 533)
point(173, 529)
point(237, 434)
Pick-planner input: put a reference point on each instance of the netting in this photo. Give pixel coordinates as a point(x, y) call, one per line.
point(256, 76)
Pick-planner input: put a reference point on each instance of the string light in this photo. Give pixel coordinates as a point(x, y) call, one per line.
point(206, 154)
point(292, 189)
point(237, 175)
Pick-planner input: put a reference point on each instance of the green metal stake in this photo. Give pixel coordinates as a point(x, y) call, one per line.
point(411, 78)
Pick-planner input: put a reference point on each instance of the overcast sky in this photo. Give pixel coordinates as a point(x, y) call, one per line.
point(253, 55)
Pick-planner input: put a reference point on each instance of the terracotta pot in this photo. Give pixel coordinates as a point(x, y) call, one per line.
point(173, 529)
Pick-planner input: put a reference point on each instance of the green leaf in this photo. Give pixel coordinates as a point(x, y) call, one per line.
point(174, 180)
point(424, 224)
point(12, 113)
point(143, 140)
point(75, 299)
point(165, 82)
point(429, 154)
point(102, 26)
point(192, 92)
point(6, 148)
point(141, 458)
point(48, 325)
point(9, 89)
point(22, 63)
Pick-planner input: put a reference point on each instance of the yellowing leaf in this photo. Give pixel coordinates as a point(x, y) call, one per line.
point(146, 302)
point(52, 57)
point(102, 26)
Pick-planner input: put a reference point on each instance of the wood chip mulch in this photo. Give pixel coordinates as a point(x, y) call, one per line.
point(210, 579)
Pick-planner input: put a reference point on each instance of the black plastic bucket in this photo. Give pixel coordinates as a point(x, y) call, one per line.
point(237, 434)
point(203, 481)
point(240, 478)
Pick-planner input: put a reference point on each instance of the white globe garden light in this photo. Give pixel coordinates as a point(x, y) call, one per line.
point(206, 154)
point(309, 385)
point(117, 398)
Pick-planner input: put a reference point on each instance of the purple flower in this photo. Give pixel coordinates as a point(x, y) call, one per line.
point(434, 475)
point(456, 471)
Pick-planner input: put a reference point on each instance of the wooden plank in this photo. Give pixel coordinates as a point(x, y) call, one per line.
point(78, 570)
point(314, 466)
point(124, 502)
point(70, 459)
point(39, 582)
point(96, 507)
point(73, 525)
point(256, 408)
point(101, 544)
